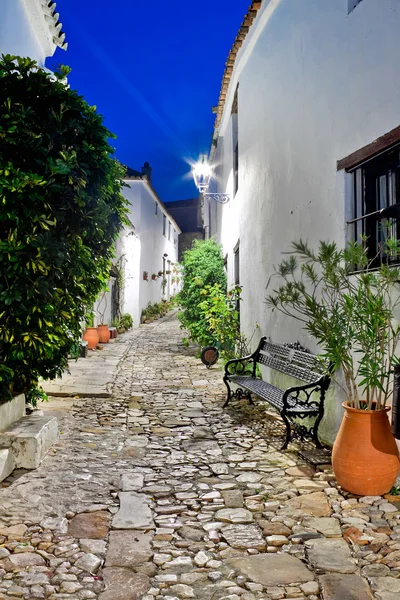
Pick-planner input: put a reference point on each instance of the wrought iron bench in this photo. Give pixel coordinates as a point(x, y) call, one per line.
point(296, 402)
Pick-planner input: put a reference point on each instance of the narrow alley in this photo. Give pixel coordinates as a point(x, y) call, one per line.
point(160, 493)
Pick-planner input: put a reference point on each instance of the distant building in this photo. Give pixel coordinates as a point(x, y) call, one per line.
point(146, 247)
point(187, 213)
point(30, 28)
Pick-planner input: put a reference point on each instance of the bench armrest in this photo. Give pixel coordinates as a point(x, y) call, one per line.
point(320, 385)
point(240, 366)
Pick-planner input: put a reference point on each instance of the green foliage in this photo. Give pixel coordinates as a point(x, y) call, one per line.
point(222, 318)
point(125, 322)
point(156, 310)
point(60, 212)
point(350, 315)
point(203, 266)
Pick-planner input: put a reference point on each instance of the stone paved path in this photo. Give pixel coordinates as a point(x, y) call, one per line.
point(159, 493)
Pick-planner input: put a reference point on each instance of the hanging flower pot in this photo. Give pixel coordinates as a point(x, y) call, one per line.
point(104, 334)
point(154, 276)
point(91, 336)
point(365, 457)
point(145, 276)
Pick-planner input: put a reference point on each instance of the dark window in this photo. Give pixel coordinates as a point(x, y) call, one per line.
point(164, 225)
point(175, 237)
point(236, 169)
point(156, 211)
point(236, 272)
point(376, 185)
point(169, 230)
point(352, 4)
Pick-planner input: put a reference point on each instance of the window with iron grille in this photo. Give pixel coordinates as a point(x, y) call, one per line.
point(164, 225)
point(376, 185)
point(156, 210)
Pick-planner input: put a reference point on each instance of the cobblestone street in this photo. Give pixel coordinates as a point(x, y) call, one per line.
point(160, 493)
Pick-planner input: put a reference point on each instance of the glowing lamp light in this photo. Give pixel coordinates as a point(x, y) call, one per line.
point(202, 172)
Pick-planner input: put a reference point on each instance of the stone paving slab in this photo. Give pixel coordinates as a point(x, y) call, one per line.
point(208, 506)
point(94, 375)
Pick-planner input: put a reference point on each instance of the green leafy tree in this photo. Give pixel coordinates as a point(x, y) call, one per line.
point(60, 212)
point(203, 266)
point(352, 316)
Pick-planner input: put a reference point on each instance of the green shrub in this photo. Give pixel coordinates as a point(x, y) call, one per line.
point(221, 314)
point(203, 266)
point(125, 322)
point(60, 212)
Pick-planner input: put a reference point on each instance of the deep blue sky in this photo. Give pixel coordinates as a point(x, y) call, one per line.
point(154, 70)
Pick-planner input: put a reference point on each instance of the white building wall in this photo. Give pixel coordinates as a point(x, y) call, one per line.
point(23, 30)
point(141, 247)
point(315, 84)
point(154, 244)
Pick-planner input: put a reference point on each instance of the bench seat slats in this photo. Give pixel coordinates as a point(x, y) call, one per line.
point(270, 393)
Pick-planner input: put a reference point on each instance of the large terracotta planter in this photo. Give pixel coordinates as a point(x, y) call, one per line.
point(365, 457)
point(91, 336)
point(104, 334)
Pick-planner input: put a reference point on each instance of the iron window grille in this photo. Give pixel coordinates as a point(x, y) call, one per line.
point(164, 225)
point(376, 185)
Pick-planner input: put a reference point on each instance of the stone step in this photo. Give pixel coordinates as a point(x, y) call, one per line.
point(11, 411)
point(29, 439)
point(7, 463)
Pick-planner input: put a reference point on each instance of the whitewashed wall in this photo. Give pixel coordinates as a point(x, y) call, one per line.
point(23, 32)
point(154, 244)
point(315, 84)
point(140, 247)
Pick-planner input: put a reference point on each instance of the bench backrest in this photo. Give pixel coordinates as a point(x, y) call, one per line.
point(297, 363)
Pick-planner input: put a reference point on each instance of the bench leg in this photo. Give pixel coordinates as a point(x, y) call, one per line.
point(315, 431)
point(229, 396)
point(288, 432)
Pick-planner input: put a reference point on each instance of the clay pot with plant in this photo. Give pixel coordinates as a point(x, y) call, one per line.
point(154, 276)
point(347, 303)
point(90, 335)
point(102, 328)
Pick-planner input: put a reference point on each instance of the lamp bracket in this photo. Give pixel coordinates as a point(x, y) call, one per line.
point(221, 198)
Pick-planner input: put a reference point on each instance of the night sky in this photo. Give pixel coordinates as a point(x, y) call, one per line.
point(154, 70)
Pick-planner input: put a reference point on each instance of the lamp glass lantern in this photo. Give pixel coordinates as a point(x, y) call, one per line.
point(202, 172)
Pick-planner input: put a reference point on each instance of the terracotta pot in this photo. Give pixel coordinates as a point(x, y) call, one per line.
point(91, 336)
point(104, 334)
point(365, 457)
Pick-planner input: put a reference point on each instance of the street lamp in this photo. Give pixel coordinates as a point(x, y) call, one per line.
point(202, 172)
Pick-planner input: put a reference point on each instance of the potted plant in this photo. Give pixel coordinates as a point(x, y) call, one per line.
point(91, 334)
point(154, 276)
point(347, 304)
point(102, 328)
point(159, 274)
point(145, 275)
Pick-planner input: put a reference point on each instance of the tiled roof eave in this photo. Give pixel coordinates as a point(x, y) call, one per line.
point(230, 63)
point(53, 23)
